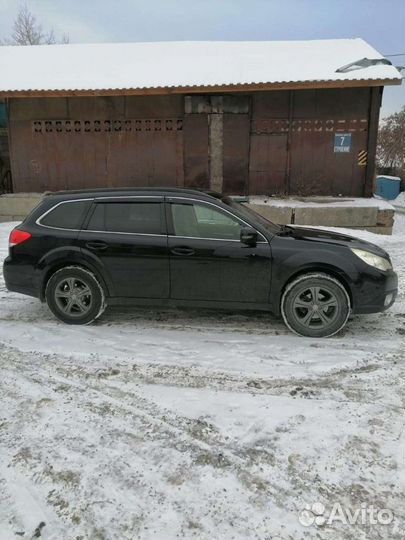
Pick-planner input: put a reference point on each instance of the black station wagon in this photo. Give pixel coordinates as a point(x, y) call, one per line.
point(81, 251)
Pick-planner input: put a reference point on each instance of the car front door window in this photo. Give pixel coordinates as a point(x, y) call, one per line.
point(204, 221)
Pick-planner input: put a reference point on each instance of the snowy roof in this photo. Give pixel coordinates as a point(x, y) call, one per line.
point(120, 66)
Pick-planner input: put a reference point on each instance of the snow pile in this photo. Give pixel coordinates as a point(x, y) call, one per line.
point(400, 201)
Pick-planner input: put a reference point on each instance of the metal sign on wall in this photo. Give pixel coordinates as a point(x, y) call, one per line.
point(343, 143)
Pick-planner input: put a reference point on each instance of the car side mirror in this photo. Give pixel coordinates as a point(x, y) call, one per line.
point(248, 236)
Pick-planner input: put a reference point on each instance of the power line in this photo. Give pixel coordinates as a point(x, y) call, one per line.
point(398, 54)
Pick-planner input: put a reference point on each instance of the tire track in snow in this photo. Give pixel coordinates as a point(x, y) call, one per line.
point(333, 385)
point(216, 451)
point(343, 385)
point(24, 510)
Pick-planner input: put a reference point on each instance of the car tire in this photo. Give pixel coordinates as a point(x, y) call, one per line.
point(315, 305)
point(75, 296)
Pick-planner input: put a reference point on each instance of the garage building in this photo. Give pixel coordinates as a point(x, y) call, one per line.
point(245, 118)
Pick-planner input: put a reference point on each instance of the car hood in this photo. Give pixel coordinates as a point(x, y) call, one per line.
point(329, 237)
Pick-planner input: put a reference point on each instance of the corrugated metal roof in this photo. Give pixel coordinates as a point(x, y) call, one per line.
point(122, 66)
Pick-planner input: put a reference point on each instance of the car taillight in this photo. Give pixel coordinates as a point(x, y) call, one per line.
point(18, 237)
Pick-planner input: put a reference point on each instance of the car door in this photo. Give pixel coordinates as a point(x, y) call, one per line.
point(126, 239)
point(208, 261)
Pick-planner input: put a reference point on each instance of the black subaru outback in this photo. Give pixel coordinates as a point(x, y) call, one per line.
point(81, 251)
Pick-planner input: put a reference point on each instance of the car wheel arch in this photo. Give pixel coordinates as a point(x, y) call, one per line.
point(59, 264)
point(329, 270)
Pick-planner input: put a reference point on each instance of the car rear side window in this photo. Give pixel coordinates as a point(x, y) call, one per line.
point(127, 217)
point(67, 215)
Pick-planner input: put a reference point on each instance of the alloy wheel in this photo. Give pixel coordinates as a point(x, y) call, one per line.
point(315, 307)
point(73, 297)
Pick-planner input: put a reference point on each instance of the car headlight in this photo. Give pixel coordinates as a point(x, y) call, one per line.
point(373, 260)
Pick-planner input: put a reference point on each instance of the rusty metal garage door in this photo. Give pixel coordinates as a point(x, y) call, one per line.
point(97, 142)
point(68, 154)
point(196, 151)
point(267, 167)
point(235, 153)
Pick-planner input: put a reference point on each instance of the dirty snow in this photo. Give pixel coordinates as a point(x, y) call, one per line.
point(165, 424)
point(325, 202)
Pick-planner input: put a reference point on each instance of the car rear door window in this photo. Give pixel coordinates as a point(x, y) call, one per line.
point(66, 215)
point(127, 217)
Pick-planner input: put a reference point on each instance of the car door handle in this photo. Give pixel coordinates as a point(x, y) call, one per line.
point(186, 251)
point(97, 246)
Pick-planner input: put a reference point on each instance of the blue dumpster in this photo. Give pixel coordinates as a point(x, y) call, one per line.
point(388, 187)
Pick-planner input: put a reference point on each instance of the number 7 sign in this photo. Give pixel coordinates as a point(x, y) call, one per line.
point(343, 143)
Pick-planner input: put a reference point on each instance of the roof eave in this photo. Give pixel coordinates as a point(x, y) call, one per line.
point(168, 90)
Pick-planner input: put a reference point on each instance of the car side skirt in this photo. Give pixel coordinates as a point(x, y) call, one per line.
point(172, 302)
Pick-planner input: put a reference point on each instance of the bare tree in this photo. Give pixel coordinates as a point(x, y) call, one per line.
point(391, 142)
point(28, 31)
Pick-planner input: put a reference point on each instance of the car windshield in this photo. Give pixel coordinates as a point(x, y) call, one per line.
point(251, 215)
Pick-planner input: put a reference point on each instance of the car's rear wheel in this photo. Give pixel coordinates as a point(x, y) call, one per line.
point(75, 296)
point(315, 305)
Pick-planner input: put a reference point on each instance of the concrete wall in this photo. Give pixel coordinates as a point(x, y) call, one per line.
point(371, 218)
point(16, 206)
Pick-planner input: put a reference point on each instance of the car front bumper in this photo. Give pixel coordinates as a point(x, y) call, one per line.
point(376, 292)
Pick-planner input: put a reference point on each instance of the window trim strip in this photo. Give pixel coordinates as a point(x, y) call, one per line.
point(160, 199)
point(122, 232)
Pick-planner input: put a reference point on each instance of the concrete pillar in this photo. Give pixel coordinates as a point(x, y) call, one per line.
point(216, 139)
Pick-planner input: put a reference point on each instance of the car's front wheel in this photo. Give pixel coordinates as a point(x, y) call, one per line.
point(75, 296)
point(315, 305)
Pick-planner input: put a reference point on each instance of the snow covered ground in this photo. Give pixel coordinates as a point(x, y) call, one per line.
point(399, 202)
point(216, 426)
